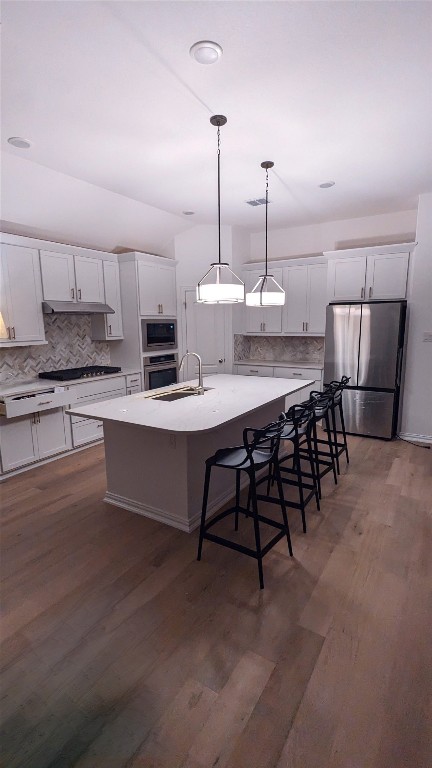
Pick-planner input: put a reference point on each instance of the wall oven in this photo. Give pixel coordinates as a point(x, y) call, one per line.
point(158, 334)
point(160, 370)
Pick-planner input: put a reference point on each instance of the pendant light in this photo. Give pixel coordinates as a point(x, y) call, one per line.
point(267, 292)
point(220, 285)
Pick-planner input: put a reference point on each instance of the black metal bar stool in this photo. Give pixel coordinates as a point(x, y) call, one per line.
point(323, 453)
point(336, 388)
point(260, 448)
point(297, 430)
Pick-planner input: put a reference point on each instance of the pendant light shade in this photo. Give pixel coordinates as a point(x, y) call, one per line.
point(267, 292)
point(220, 285)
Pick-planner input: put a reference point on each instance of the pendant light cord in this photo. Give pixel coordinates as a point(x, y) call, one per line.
point(266, 271)
point(219, 213)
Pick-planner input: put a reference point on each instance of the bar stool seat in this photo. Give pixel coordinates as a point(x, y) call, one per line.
point(260, 449)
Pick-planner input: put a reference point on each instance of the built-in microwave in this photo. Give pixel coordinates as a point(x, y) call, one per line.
point(158, 334)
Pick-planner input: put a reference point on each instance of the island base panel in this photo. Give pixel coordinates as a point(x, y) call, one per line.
point(160, 474)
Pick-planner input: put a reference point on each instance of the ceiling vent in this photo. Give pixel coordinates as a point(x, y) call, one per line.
point(257, 201)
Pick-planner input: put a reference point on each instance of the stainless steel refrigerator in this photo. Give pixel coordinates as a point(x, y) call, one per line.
point(365, 341)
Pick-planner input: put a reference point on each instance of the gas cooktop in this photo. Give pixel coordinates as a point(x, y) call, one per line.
point(86, 372)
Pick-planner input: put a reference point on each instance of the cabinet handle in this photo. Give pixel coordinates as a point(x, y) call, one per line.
point(99, 426)
point(370, 291)
point(161, 309)
point(109, 330)
point(8, 330)
point(134, 381)
point(45, 402)
point(252, 370)
point(306, 324)
point(73, 292)
point(13, 332)
point(296, 374)
point(362, 293)
point(263, 326)
point(79, 294)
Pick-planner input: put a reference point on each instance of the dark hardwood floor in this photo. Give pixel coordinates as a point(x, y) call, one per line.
point(121, 651)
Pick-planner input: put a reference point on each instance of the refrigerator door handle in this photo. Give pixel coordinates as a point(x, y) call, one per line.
point(399, 367)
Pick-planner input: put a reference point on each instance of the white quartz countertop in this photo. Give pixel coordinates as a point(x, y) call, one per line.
point(280, 363)
point(228, 398)
point(23, 386)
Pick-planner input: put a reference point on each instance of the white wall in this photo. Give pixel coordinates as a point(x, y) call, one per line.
point(331, 235)
point(417, 398)
point(39, 202)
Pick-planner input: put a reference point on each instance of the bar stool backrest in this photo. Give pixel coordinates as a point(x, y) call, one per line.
point(299, 417)
point(265, 441)
point(336, 388)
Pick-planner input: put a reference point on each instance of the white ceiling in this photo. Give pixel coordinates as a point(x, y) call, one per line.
point(107, 92)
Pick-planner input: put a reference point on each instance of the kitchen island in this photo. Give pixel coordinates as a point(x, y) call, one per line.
point(155, 450)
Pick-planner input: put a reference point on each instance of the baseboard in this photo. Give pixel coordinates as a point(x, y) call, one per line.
point(416, 438)
point(167, 517)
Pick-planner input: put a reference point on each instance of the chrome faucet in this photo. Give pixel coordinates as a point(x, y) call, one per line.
point(199, 388)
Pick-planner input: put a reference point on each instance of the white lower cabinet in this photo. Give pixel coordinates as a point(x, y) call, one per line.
point(252, 370)
point(285, 372)
point(31, 438)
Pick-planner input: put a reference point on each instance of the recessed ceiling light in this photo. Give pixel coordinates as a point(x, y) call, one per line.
point(206, 52)
point(188, 213)
point(16, 141)
point(327, 184)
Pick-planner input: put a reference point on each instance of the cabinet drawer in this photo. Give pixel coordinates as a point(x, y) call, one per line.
point(86, 431)
point(97, 388)
point(255, 370)
point(133, 380)
point(298, 373)
point(34, 402)
point(96, 399)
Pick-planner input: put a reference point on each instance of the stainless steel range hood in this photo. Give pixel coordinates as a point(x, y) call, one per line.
point(75, 308)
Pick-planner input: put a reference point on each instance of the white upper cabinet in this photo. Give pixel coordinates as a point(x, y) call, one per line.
point(316, 299)
point(67, 277)
point(89, 279)
point(262, 319)
point(109, 327)
point(21, 320)
point(386, 276)
point(346, 279)
point(58, 276)
point(295, 308)
point(305, 299)
point(157, 290)
point(373, 273)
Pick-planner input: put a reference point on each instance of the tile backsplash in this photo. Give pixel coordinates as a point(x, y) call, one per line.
point(292, 349)
point(69, 345)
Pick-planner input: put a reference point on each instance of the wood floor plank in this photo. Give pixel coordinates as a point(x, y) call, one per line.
point(121, 651)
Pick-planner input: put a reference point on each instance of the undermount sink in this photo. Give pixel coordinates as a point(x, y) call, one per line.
point(177, 394)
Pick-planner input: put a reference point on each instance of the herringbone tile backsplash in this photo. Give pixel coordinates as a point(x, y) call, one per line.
point(69, 345)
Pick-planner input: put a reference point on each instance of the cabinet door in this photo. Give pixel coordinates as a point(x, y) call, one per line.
point(255, 316)
point(273, 315)
point(206, 334)
point(23, 292)
point(89, 279)
point(166, 291)
point(58, 276)
point(148, 284)
point(386, 276)
point(5, 319)
point(114, 325)
point(295, 309)
point(316, 298)
point(52, 433)
point(17, 442)
point(346, 279)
